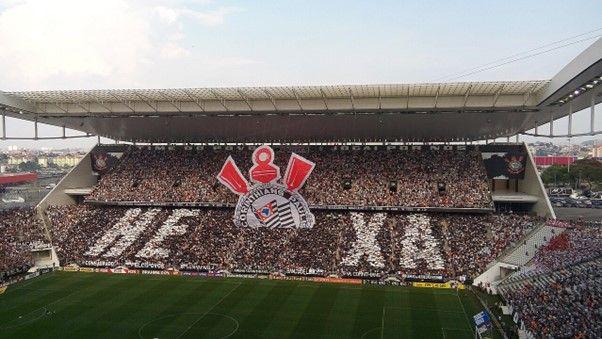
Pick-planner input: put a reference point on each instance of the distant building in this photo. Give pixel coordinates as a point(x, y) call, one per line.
point(17, 178)
point(17, 160)
point(43, 162)
point(597, 152)
point(543, 162)
point(67, 160)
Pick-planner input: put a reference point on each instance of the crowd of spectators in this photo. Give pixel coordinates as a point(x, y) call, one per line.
point(343, 243)
point(565, 303)
point(413, 178)
point(485, 237)
point(573, 246)
point(559, 293)
point(20, 232)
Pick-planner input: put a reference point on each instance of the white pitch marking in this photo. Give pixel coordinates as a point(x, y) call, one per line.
point(209, 310)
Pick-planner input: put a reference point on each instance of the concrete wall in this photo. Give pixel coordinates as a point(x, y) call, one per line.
point(533, 185)
point(80, 176)
point(48, 258)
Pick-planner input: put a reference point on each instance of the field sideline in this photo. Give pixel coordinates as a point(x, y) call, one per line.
point(97, 305)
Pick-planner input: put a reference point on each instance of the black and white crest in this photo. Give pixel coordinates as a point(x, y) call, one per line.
point(273, 206)
point(267, 202)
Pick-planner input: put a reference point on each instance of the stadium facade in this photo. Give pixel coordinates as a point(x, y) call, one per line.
point(394, 114)
point(416, 124)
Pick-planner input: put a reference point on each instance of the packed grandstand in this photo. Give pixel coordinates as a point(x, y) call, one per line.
point(376, 178)
point(131, 218)
point(401, 184)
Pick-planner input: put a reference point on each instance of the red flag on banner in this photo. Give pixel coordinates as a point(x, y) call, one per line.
point(231, 177)
point(297, 171)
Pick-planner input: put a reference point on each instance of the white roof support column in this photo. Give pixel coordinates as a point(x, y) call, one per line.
point(570, 127)
point(592, 113)
point(3, 125)
point(551, 124)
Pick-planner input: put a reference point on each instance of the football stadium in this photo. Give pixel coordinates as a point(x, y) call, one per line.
point(333, 211)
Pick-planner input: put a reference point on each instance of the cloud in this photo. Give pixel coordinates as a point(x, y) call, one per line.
point(214, 17)
point(43, 38)
point(172, 50)
point(65, 43)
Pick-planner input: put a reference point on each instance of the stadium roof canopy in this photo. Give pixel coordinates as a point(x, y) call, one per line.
point(392, 112)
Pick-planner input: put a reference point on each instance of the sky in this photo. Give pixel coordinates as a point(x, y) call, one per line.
point(80, 44)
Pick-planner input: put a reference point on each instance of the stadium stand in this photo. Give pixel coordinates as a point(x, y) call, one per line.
point(560, 304)
point(526, 249)
point(20, 232)
point(129, 221)
point(574, 245)
point(425, 178)
point(558, 294)
point(346, 243)
point(428, 211)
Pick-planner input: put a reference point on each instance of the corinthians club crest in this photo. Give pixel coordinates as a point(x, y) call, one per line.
point(515, 164)
point(268, 203)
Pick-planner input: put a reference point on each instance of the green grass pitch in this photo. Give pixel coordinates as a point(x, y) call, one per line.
point(97, 305)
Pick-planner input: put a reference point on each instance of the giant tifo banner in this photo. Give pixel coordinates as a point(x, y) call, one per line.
point(267, 202)
point(505, 165)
